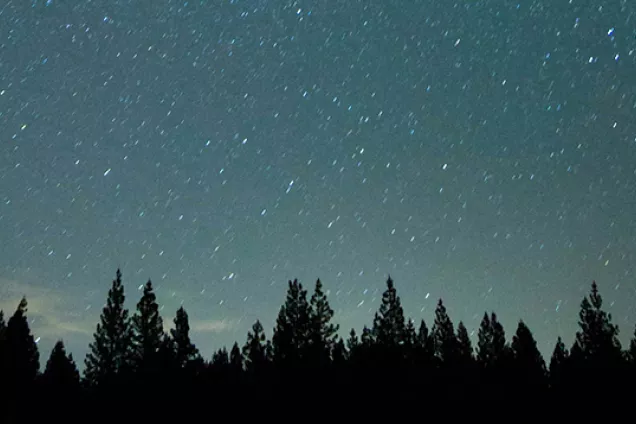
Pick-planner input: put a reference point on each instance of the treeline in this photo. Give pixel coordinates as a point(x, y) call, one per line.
point(132, 360)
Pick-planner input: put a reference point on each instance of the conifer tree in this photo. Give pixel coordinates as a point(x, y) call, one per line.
point(22, 356)
point(367, 340)
point(352, 341)
point(425, 345)
point(558, 363)
point(444, 337)
point(500, 348)
point(61, 372)
point(410, 342)
point(185, 351)
point(236, 359)
point(492, 349)
point(291, 333)
point(598, 337)
point(111, 350)
point(256, 350)
point(221, 358)
point(529, 365)
point(484, 342)
point(389, 323)
point(3, 336)
point(322, 332)
point(464, 345)
point(147, 326)
point(631, 353)
point(339, 353)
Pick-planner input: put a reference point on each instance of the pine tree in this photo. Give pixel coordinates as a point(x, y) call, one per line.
point(221, 358)
point(500, 348)
point(444, 337)
point(352, 341)
point(147, 326)
point(425, 345)
point(22, 354)
point(111, 350)
point(529, 365)
point(389, 323)
point(339, 353)
point(558, 364)
point(61, 372)
point(464, 345)
point(236, 359)
point(632, 349)
point(484, 342)
point(367, 340)
point(410, 342)
point(291, 333)
point(322, 333)
point(256, 350)
point(492, 349)
point(3, 336)
point(598, 337)
point(185, 351)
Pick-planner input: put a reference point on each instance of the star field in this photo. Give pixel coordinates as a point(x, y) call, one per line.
point(483, 152)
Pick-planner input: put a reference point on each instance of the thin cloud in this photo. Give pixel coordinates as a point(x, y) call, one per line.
point(212, 326)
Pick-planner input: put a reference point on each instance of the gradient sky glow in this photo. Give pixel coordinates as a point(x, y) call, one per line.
point(483, 152)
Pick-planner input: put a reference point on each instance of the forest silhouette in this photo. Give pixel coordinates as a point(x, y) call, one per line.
point(137, 372)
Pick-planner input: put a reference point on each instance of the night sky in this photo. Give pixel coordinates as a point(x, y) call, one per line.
point(483, 152)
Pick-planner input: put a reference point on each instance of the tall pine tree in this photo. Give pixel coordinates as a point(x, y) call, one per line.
point(322, 332)
point(598, 337)
point(256, 350)
point(528, 364)
point(389, 323)
point(22, 354)
point(444, 336)
point(147, 326)
point(110, 352)
point(185, 351)
point(291, 334)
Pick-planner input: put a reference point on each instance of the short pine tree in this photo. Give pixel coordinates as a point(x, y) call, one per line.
point(60, 374)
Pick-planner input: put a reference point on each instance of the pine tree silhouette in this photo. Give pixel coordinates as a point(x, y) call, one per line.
point(22, 356)
point(110, 353)
point(185, 351)
point(236, 359)
point(322, 332)
point(445, 339)
point(221, 358)
point(389, 323)
point(464, 346)
point(596, 357)
point(352, 344)
point(147, 327)
point(558, 364)
point(291, 333)
point(598, 337)
point(61, 374)
point(4, 364)
point(256, 350)
point(529, 368)
point(631, 351)
point(425, 347)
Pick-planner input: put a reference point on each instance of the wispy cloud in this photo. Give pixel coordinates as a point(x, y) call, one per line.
point(212, 326)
